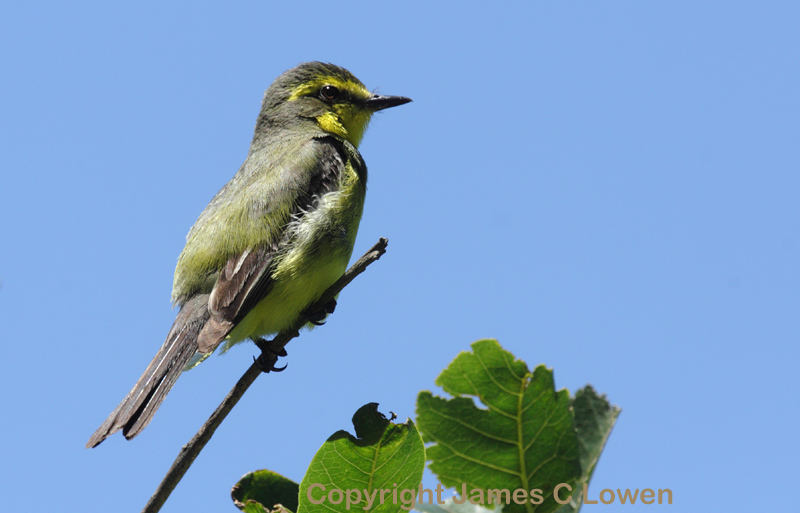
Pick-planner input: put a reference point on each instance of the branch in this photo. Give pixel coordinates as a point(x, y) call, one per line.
point(191, 450)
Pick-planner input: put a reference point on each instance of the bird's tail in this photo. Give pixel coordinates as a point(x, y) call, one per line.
point(137, 409)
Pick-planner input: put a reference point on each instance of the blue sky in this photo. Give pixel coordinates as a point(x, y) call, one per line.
point(608, 188)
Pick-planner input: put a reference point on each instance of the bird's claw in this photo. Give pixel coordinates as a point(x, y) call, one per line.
point(317, 318)
point(269, 357)
point(268, 366)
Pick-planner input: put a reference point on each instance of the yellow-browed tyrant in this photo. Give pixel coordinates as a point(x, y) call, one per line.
point(274, 238)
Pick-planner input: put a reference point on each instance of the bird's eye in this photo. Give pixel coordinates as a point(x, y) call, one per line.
point(329, 92)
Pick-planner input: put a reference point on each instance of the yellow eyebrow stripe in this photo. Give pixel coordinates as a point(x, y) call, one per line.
point(312, 86)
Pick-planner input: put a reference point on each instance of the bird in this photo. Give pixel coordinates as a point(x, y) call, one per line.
point(274, 238)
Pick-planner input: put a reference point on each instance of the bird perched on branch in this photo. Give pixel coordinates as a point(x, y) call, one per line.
point(274, 238)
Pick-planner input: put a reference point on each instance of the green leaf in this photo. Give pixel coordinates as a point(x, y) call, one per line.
point(253, 507)
point(524, 439)
point(256, 507)
point(267, 489)
point(451, 507)
point(387, 457)
point(594, 419)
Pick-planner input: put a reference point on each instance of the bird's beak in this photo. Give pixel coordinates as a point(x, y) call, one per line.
point(377, 102)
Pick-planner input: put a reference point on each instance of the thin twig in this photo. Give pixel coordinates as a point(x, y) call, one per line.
point(189, 452)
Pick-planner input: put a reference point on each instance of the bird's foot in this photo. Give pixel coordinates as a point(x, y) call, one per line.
point(317, 317)
point(269, 357)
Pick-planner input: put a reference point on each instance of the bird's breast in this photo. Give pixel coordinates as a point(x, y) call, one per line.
point(319, 245)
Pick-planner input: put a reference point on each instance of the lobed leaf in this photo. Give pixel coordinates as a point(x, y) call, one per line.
point(525, 437)
point(266, 489)
point(386, 456)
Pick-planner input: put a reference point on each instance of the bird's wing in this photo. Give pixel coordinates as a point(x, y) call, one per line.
point(246, 277)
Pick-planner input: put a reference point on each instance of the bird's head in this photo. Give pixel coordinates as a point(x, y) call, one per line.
point(328, 95)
